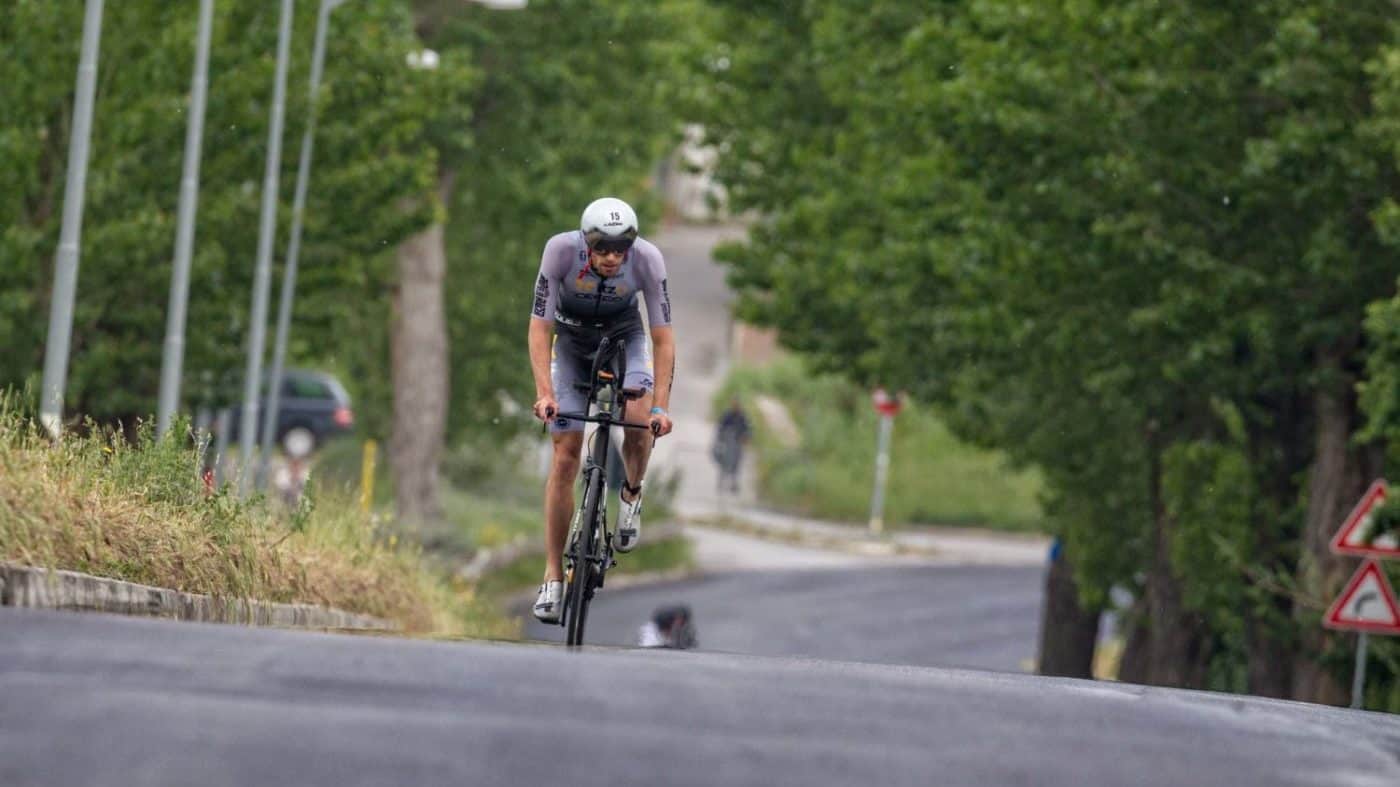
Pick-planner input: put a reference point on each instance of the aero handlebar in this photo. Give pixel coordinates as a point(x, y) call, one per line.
point(597, 420)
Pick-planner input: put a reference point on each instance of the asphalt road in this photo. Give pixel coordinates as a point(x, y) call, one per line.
point(91, 700)
point(984, 617)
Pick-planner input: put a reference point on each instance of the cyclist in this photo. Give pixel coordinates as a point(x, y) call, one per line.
point(587, 288)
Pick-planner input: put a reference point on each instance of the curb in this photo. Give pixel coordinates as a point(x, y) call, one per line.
point(955, 545)
point(44, 588)
point(795, 536)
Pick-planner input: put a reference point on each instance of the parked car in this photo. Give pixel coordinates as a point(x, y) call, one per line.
point(313, 407)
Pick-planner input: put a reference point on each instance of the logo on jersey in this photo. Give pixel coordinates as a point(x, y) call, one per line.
point(665, 301)
point(610, 292)
point(541, 296)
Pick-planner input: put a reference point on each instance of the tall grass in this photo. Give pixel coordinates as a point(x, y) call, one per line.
point(138, 511)
point(934, 478)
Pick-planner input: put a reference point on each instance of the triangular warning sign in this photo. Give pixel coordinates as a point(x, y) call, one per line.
point(1351, 538)
point(1367, 604)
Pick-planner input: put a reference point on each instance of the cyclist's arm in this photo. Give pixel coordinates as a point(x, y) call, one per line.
point(663, 340)
point(554, 265)
point(541, 337)
point(663, 345)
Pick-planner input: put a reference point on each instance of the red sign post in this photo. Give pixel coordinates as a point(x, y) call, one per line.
point(884, 403)
point(888, 407)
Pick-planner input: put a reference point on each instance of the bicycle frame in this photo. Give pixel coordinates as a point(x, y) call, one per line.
point(588, 552)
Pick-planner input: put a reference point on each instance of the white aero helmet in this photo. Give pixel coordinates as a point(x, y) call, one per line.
point(609, 221)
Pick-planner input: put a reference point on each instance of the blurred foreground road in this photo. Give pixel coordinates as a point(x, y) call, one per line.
point(91, 700)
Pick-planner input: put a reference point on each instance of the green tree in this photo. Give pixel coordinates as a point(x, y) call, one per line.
point(371, 153)
point(1127, 242)
point(579, 99)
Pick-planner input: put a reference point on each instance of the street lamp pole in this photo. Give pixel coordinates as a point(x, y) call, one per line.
point(257, 326)
point(65, 280)
point(289, 279)
point(172, 360)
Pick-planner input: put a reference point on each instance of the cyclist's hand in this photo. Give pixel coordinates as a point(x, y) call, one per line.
point(546, 408)
point(660, 423)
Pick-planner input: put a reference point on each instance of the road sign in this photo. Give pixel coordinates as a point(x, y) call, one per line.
point(884, 403)
point(1367, 603)
point(1351, 538)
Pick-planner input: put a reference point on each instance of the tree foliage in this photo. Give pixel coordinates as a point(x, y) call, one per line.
point(533, 117)
point(372, 157)
point(567, 112)
point(1132, 243)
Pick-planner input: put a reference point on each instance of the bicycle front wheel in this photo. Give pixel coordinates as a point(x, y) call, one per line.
point(580, 590)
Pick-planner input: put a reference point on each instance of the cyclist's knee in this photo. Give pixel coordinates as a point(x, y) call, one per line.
point(636, 439)
point(566, 453)
point(566, 466)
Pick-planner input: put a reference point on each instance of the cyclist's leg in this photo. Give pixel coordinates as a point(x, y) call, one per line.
point(636, 444)
point(565, 369)
point(559, 499)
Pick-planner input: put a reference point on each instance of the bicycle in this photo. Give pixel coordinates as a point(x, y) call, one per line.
point(589, 553)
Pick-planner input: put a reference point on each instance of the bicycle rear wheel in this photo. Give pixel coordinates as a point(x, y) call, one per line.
point(581, 581)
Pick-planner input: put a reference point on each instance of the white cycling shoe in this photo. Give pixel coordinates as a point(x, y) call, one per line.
point(629, 520)
point(549, 604)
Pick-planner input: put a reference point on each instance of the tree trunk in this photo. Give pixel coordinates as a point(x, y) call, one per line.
point(1137, 640)
point(1278, 451)
point(1270, 661)
point(420, 372)
point(1178, 649)
point(1340, 474)
point(1068, 631)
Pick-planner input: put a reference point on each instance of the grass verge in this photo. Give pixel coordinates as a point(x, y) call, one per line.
point(139, 512)
point(493, 494)
point(826, 470)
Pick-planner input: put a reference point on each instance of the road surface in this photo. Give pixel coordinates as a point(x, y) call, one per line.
point(984, 617)
point(113, 701)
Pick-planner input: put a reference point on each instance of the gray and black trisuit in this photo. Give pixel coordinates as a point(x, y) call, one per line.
point(585, 307)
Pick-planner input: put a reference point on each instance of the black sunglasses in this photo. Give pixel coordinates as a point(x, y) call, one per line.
point(609, 246)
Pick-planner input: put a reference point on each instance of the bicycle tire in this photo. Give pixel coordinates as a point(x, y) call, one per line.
point(580, 590)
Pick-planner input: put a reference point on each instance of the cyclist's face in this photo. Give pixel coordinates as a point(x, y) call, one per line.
point(607, 262)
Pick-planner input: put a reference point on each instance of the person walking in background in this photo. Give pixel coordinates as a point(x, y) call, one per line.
point(731, 434)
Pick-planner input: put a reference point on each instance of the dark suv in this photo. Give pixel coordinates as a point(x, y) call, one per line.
point(313, 404)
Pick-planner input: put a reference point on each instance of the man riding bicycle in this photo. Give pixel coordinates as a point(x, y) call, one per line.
point(587, 289)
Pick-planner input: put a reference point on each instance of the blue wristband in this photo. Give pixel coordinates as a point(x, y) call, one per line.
point(659, 411)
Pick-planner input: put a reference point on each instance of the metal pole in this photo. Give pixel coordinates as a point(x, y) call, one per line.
point(65, 280)
point(263, 273)
point(289, 279)
point(172, 360)
point(1358, 677)
point(221, 427)
point(882, 469)
point(367, 475)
